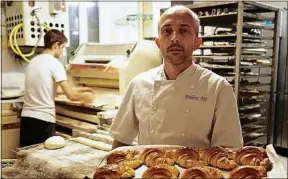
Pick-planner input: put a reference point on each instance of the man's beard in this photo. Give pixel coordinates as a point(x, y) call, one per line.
point(177, 59)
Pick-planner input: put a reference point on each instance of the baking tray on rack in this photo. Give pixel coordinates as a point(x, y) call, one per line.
point(246, 121)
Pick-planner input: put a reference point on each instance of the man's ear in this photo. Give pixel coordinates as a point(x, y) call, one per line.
point(197, 43)
point(157, 42)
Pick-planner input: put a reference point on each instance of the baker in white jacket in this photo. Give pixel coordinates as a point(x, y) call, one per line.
point(179, 102)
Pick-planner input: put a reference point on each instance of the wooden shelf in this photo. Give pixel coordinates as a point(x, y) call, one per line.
point(216, 66)
point(255, 76)
point(253, 86)
point(261, 7)
point(256, 56)
point(254, 123)
point(253, 26)
point(248, 139)
point(249, 6)
point(249, 106)
point(230, 37)
point(256, 66)
point(262, 139)
point(207, 5)
point(234, 46)
point(259, 131)
point(230, 18)
point(216, 46)
point(233, 56)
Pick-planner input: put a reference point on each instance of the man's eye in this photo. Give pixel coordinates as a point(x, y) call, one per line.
point(166, 31)
point(184, 30)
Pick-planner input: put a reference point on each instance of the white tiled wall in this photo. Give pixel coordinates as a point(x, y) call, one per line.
point(12, 71)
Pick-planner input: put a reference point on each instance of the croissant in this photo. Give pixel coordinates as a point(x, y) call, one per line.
point(248, 172)
point(173, 169)
point(254, 156)
point(231, 153)
point(113, 171)
point(188, 157)
point(202, 172)
point(218, 157)
point(161, 171)
point(153, 157)
point(128, 158)
point(116, 158)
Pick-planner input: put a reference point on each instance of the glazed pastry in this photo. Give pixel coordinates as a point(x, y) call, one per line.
point(218, 157)
point(161, 171)
point(254, 156)
point(153, 157)
point(188, 157)
point(202, 172)
point(113, 171)
point(128, 158)
point(247, 172)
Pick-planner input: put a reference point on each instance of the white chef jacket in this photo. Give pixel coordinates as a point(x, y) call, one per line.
point(197, 109)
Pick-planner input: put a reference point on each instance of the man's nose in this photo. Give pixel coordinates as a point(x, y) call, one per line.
point(175, 37)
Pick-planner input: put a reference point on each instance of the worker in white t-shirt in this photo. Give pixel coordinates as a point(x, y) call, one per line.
point(44, 74)
point(179, 102)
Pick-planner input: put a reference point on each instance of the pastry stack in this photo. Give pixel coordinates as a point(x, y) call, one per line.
point(247, 162)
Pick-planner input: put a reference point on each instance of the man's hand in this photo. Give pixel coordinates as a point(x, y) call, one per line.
point(88, 93)
point(88, 96)
point(116, 144)
point(77, 93)
point(84, 89)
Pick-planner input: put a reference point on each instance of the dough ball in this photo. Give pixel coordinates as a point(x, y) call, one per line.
point(55, 142)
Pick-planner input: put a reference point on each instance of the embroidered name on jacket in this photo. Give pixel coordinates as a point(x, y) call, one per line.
point(194, 97)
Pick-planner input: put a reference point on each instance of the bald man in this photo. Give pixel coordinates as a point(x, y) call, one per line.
point(179, 102)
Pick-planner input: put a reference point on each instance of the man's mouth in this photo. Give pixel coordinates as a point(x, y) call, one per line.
point(175, 49)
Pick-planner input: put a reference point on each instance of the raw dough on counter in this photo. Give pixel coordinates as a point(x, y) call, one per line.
point(92, 143)
point(55, 142)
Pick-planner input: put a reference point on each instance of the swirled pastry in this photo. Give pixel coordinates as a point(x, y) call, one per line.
point(161, 171)
point(113, 171)
point(218, 157)
point(254, 156)
point(154, 156)
point(188, 157)
point(127, 158)
point(173, 169)
point(202, 172)
point(248, 172)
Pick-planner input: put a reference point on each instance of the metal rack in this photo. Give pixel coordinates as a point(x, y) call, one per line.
point(238, 50)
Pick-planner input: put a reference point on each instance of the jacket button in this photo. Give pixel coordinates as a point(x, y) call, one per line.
point(182, 134)
point(152, 131)
point(187, 110)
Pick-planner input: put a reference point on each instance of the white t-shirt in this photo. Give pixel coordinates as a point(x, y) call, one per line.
point(197, 109)
point(41, 76)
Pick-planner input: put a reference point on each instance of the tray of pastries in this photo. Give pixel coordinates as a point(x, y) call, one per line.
point(184, 162)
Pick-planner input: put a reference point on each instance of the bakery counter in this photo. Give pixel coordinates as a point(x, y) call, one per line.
point(73, 161)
